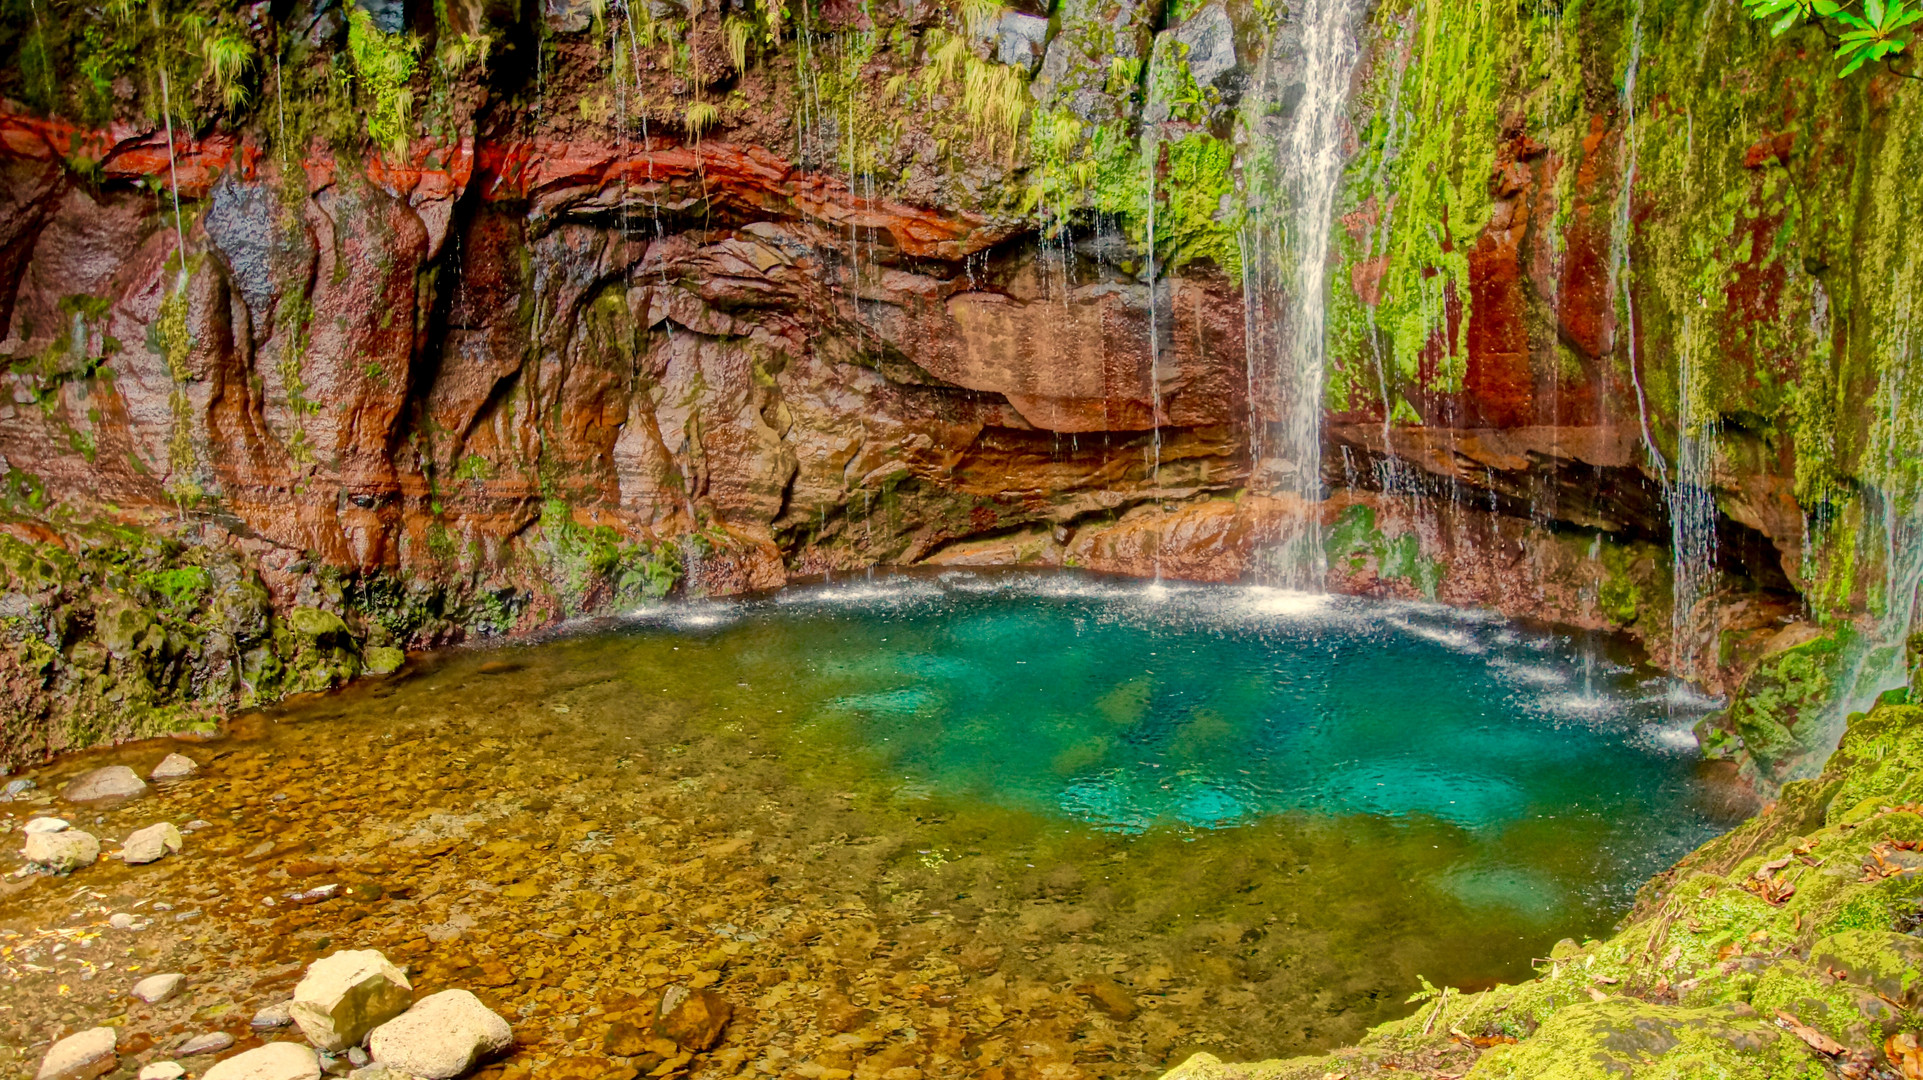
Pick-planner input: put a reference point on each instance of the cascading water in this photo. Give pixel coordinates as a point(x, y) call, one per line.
point(1692, 521)
point(1288, 268)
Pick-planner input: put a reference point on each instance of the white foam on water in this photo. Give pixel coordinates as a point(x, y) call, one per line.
point(891, 590)
point(1461, 641)
point(1582, 704)
point(1673, 738)
point(1281, 603)
point(1532, 674)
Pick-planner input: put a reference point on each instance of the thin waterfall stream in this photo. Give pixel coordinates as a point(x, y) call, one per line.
point(1288, 279)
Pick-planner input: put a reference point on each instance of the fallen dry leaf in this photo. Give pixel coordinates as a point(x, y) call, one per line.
point(1817, 1041)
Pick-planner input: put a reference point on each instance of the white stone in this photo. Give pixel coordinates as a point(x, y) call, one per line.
point(275, 1061)
point(112, 782)
point(148, 844)
point(77, 1057)
point(277, 1015)
point(346, 995)
point(442, 1036)
point(62, 852)
point(162, 1070)
point(121, 920)
point(174, 767)
point(44, 825)
point(155, 989)
point(212, 1042)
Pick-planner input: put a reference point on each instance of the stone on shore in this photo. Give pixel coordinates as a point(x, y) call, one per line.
point(213, 1042)
point(275, 1061)
point(346, 995)
point(174, 767)
point(155, 989)
point(62, 852)
point(277, 1015)
point(162, 1070)
point(149, 844)
point(112, 782)
point(77, 1057)
point(442, 1036)
point(44, 825)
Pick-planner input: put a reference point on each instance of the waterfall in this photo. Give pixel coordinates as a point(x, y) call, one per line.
point(1692, 520)
point(1304, 145)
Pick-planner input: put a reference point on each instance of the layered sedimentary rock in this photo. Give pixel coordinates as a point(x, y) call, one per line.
point(612, 308)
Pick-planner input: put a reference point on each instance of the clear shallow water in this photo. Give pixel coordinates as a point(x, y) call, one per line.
point(1261, 815)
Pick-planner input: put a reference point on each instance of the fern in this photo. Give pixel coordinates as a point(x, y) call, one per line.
point(229, 57)
point(979, 17)
point(384, 65)
point(738, 32)
point(701, 116)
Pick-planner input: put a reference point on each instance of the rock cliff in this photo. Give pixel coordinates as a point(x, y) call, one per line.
point(332, 331)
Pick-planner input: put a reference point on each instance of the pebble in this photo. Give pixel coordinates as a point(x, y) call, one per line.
point(441, 1037)
point(155, 989)
point(112, 782)
point(62, 852)
point(17, 788)
point(196, 825)
point(150, 844)
point(212, 1042)
point(275, 1061)
point(120, 920)
point(174, 767)
point(274, 1016)
point(344, 996)
point(77, 1057)
point(162, 1070)
point(44, 825)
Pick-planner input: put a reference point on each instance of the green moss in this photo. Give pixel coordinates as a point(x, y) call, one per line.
point(1355, 540)
point(1612, 1039)
point(1773, 711)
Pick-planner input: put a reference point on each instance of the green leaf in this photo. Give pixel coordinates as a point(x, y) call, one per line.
point(1783, 24)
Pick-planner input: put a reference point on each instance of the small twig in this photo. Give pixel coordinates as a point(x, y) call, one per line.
point(1441, 1000)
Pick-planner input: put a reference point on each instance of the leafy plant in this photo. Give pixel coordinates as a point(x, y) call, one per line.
point(701, 116)
point(384, 67)
point(738, 33)
point(229, 57)
point(1862, 31)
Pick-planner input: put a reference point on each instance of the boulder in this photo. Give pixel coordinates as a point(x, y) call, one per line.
point(62, 852)
point(112, 782)
point(44, 825)
point(1020, 40)
point(155, 989)
point(694, 1019)
point(77, 1057)
point(347, 995)
point(442, 1036)
point(174, 767)
point(212, 1042)
point(382, 660)
point(149, 844)
point(162, 1070)
point(275, 1061)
